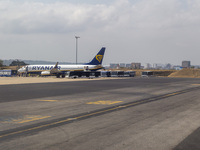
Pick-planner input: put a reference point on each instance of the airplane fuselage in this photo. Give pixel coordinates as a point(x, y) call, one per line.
point(57, 70)
point(62, 68)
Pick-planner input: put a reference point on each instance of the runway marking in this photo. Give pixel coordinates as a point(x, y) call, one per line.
point(104, 102)
point(25, 119)
point(93, 113)
point(171, 94)
point(47, 100)
point(32, 118)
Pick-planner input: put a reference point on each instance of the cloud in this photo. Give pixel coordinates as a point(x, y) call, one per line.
point(57, 17)
point(62, 17)
point(130, 28)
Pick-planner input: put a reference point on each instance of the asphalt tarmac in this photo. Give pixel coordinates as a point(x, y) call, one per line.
point(129, 113)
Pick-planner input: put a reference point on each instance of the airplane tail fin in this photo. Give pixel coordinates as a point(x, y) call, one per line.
point(97, 60)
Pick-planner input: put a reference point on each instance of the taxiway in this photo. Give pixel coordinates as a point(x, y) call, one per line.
point(130, 113)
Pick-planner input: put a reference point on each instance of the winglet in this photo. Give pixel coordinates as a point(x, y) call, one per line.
point(56, 66)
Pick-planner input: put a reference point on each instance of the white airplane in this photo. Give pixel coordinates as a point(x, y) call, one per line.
point(61, 70)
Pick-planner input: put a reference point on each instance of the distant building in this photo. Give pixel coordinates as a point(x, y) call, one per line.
point(122, 65)
point(168, 66)
point(186, 64)
point(141, 67)
point(177, 67)
point(147, 66)
point(114, 66)
point(136, 65)
point(196, 66)
point(128, 65)
point(158, 66)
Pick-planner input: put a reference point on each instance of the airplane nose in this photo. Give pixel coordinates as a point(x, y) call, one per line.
point(20, 70)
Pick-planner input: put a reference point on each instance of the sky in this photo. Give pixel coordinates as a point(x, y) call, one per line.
point(146, 31)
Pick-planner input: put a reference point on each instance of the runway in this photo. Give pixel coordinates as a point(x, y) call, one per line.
point(130, 113)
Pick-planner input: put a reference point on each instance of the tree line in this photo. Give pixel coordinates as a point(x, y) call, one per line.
point(14, 63)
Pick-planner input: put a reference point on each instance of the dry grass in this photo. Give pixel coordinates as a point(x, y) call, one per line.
point(29, 80)
point(186, 73)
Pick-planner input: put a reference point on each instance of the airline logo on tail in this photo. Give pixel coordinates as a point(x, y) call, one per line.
point(99, 58)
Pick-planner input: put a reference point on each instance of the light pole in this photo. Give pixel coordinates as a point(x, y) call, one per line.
point(76, 46)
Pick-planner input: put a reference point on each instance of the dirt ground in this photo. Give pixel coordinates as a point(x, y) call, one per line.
point(27, 80)
point(186, 73)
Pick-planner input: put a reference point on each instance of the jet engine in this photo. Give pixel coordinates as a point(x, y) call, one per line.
point(45, 73)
